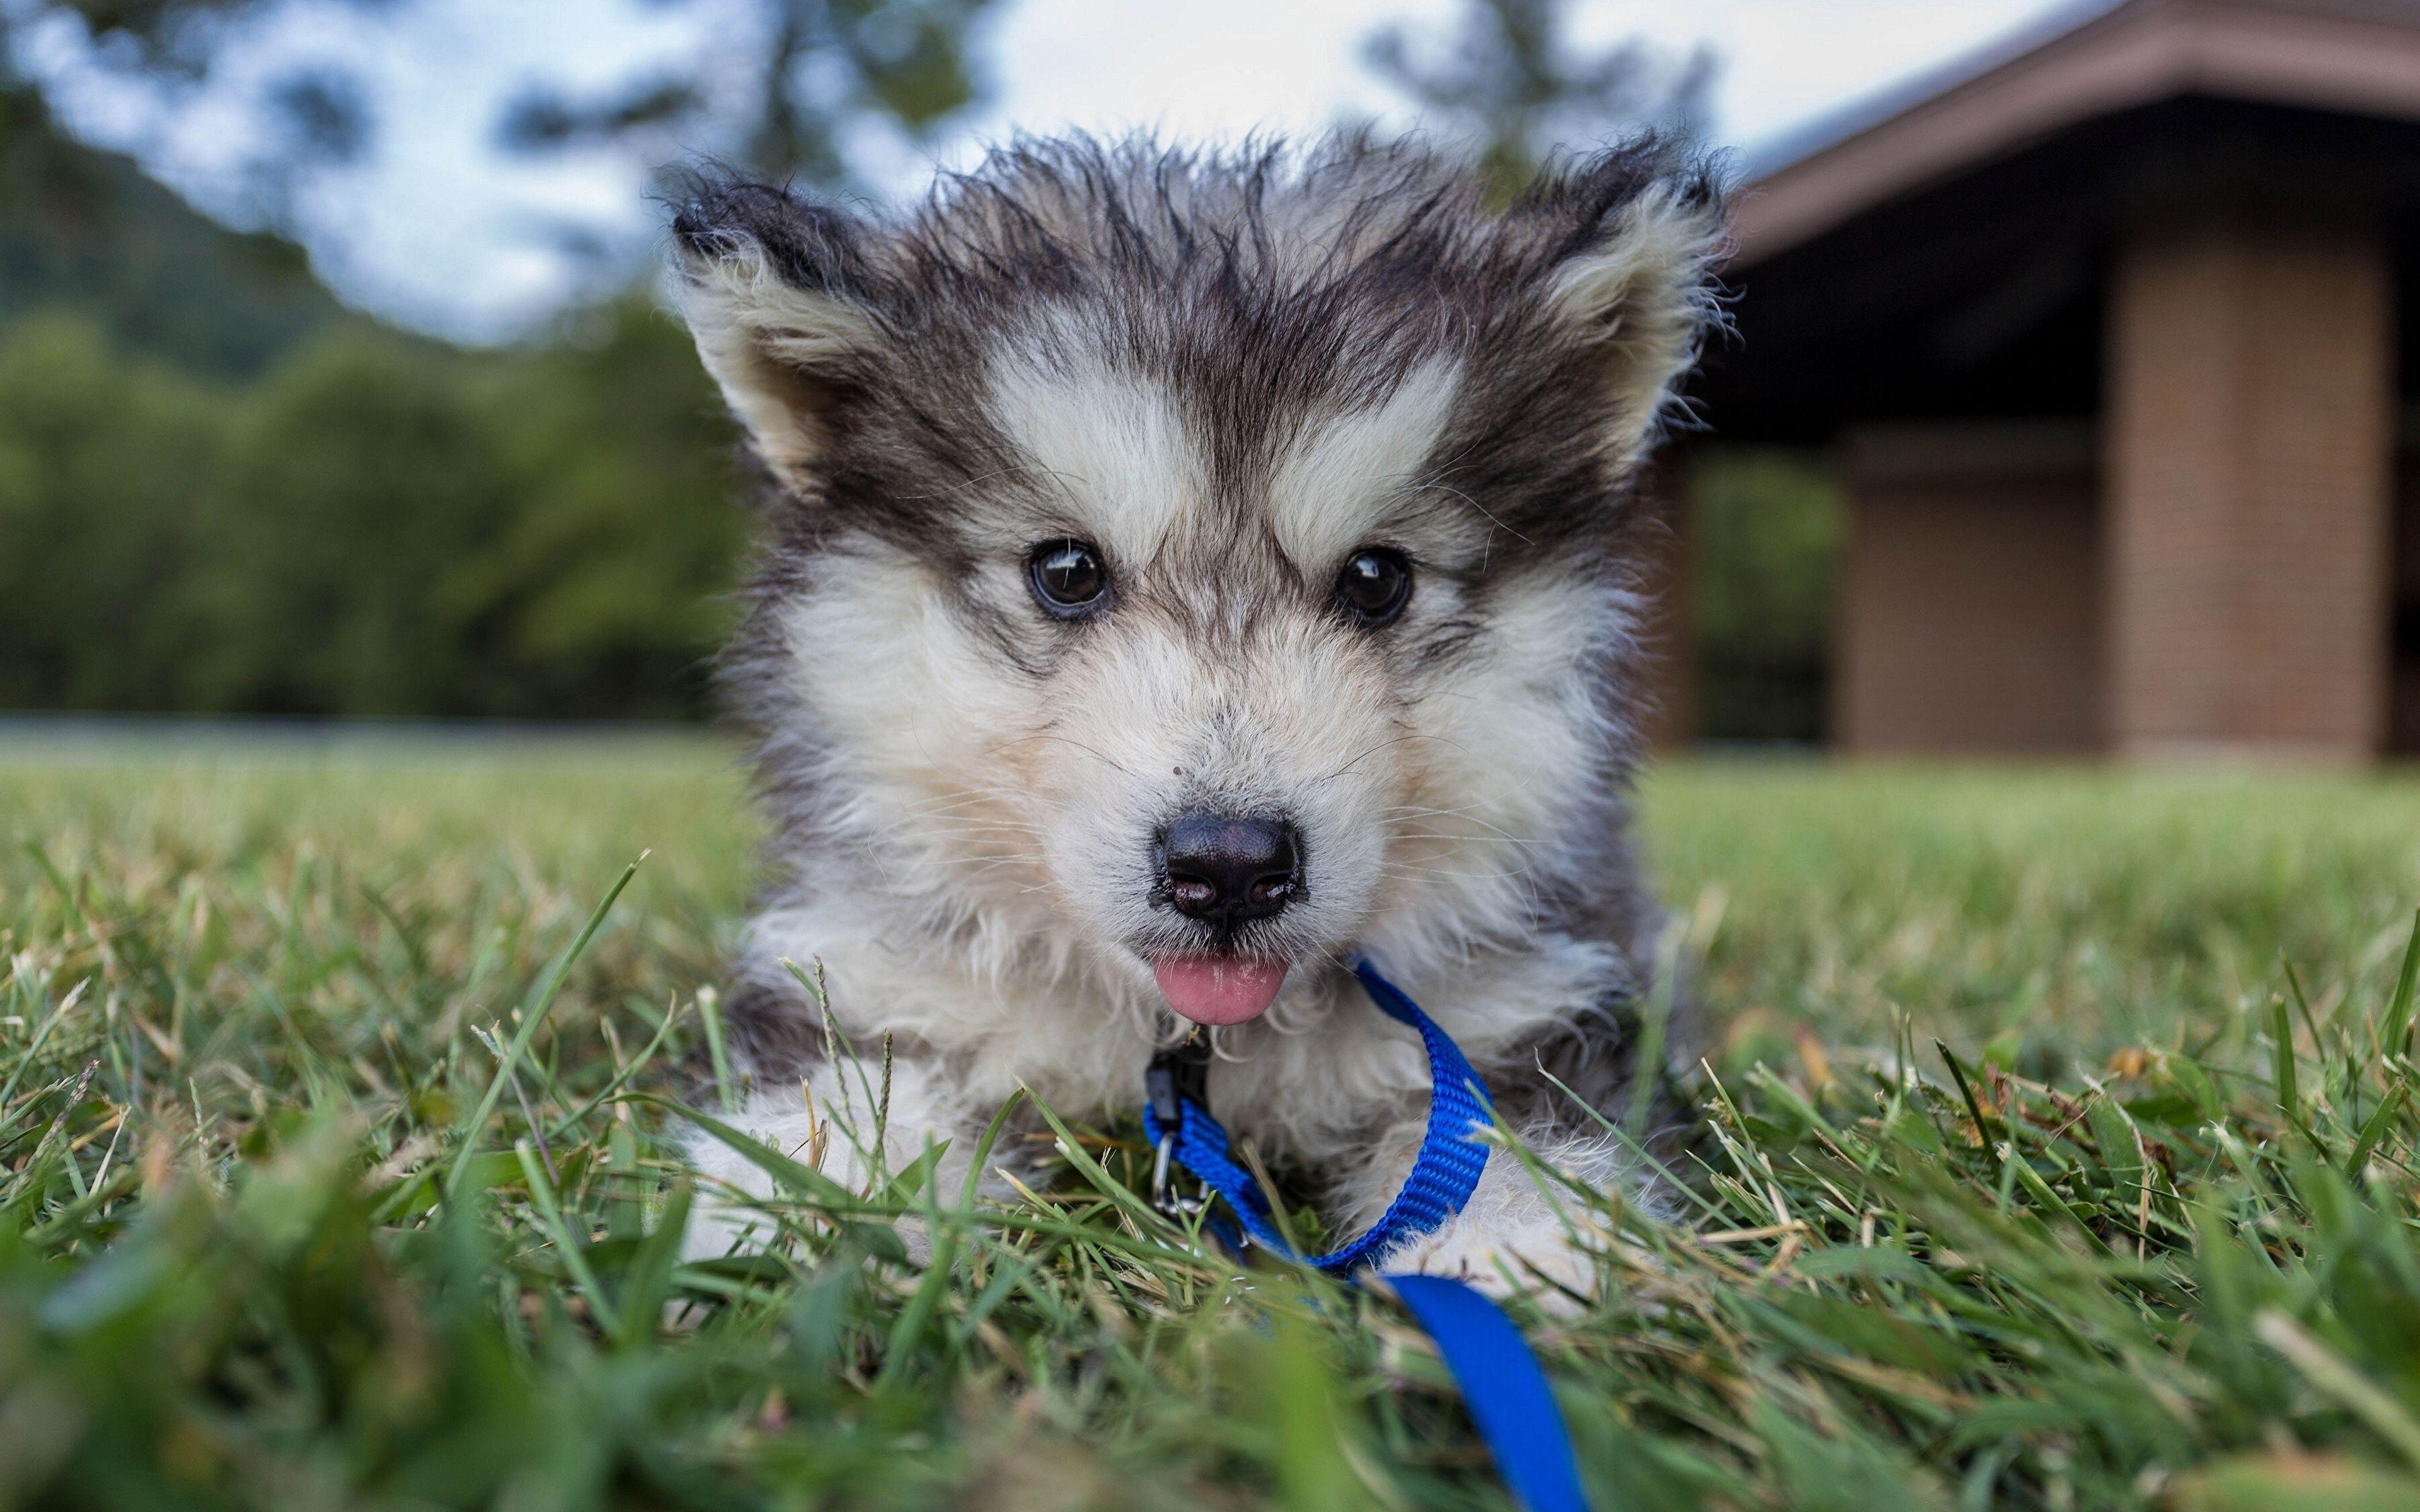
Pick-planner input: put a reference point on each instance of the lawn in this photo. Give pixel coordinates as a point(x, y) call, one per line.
point(2060, 1155)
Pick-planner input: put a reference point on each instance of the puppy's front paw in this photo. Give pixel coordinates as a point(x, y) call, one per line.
point(1539, 1256)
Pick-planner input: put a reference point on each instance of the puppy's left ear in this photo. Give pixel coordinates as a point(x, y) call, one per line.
point(782, 294)
point(1628, 239)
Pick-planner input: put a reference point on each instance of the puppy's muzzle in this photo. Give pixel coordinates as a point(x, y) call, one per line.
point(1230, 870)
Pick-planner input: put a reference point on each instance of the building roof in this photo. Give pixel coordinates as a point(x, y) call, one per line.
point(2356, 57)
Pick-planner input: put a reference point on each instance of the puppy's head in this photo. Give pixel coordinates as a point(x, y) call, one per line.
point(1199, 565)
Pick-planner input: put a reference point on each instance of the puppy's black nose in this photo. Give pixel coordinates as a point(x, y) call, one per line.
point(1230, 870)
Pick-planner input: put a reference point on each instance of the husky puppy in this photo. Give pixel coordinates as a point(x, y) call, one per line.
point(1184, 570)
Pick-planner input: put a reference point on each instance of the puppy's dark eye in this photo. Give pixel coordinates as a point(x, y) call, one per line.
point(1068, 579)
point(1374, 586)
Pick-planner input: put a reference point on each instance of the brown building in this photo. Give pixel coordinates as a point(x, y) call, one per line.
point(2103, 332)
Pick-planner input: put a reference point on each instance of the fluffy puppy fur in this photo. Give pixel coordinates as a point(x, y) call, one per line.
point(1225, 376)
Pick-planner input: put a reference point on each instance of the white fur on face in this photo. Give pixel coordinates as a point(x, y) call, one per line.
point(1510, 736)
point(1019, 809)
point(1113, 445)
point(1332, 482)
point(1281, 720)
point(1224, 678)
point(916, 708)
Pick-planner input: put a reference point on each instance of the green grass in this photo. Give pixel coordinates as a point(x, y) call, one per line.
point(2034, 1178)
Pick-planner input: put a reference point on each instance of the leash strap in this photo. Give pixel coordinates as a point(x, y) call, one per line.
point(1501, 1379)
point(1503, 1387)
point(1443, 1174)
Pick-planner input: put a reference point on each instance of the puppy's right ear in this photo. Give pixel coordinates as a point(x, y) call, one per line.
point(779, 293)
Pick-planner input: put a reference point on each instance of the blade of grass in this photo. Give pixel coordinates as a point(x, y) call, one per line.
point(33, 1051)
point(1982, 1129)
point(2375, 1128)
point(2407, 983)
point(575, 1256)
point(621, 1077)
point(534, 1011)
point(647, 1282)
point(899, 1351)
point(2327, 1370)
point(709, 1012)
point(1109, 1186)
point(2288, 1095)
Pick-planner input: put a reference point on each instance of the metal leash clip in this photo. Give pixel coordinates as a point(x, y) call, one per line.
point(1176, 1077)
point(1165, 1198)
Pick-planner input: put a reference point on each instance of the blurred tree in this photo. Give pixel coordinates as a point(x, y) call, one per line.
point(405, 528)
point(378, 525)
point(358, 478)
point(107, 463)
point(782, 88)
point(1767, 527)
point(604, 591)
point(86, 229)
point(304, 511)
point(779, 88)
point(1511, 83)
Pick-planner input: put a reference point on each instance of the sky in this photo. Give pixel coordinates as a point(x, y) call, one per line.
point(437, 228)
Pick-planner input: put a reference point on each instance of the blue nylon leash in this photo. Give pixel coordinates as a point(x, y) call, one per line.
point(1501, 1379)
point(1502, 1386)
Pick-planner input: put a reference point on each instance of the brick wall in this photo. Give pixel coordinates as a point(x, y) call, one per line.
point(2248, 451)
point(1969, 617)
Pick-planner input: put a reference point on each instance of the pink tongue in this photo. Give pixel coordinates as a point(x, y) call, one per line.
point(1212, 989)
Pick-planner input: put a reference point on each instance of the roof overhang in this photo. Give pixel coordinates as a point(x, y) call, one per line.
point(2358, 57)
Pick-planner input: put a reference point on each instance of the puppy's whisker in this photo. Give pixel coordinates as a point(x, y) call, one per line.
point(1477, 505)
point(1418, 812)
point(1408, 868)
point(966, 483)
point(957, 798)
point(911, 829)
point(1105, 759)
point(1366, 754)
